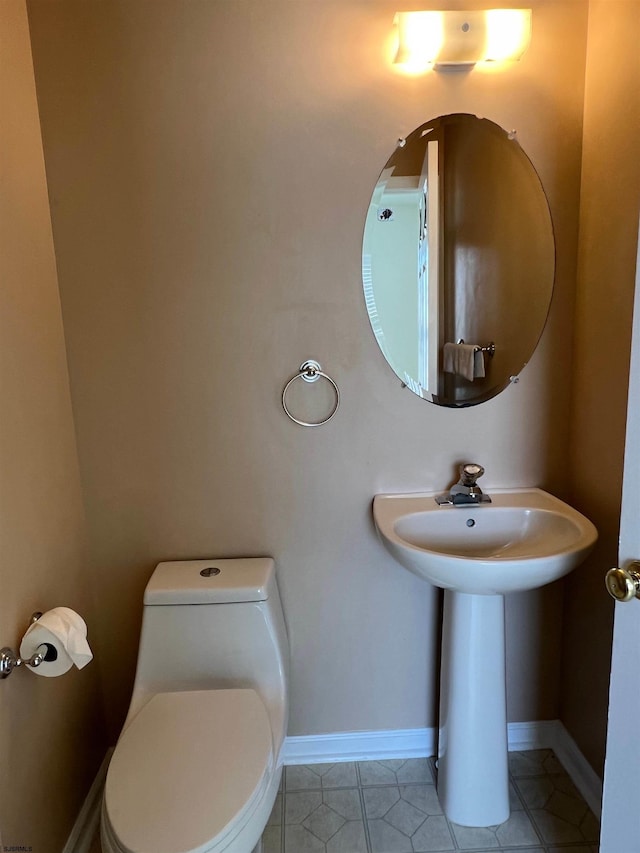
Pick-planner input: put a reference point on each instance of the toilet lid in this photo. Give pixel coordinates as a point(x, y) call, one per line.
point(187, 765)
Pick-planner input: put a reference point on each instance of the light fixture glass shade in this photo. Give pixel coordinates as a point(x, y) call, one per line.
point(444, 38)
point(420, 38)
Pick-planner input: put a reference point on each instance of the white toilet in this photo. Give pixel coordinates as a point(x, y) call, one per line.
point(197, 766)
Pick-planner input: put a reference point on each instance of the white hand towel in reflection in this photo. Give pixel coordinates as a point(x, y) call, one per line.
point(464, 360)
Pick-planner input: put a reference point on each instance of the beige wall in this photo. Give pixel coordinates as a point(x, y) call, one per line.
point(608, 238)
point(210, 166)
point(51, 729)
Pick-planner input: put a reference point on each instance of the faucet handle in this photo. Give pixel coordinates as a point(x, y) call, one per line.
point(470, 472)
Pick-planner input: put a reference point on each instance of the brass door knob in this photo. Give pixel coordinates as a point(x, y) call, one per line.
point(624, 584)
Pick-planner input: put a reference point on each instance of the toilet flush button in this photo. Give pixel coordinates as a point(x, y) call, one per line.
point(210, 571)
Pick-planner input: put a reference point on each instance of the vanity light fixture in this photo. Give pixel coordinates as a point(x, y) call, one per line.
point(454, 39)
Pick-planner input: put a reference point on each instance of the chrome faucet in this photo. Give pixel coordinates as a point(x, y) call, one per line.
point(466, 491)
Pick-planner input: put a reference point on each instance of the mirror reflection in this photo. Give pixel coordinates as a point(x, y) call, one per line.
point(458, 260)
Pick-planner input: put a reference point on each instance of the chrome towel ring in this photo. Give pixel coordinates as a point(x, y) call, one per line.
point(310, 371)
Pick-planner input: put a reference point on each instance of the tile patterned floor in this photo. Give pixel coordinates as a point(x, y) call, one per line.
point(392, 807)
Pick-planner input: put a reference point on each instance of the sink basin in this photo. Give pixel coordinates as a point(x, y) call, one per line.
point(524, 539)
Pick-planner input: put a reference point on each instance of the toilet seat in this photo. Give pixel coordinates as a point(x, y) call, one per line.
point(188, 771)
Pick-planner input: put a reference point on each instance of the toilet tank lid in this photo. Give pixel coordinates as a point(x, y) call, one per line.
point(212, 581)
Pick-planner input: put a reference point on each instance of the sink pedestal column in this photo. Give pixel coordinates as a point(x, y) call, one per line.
point(473, 779)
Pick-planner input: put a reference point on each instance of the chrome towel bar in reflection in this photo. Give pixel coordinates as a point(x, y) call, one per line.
point(310, 371)
point(490, 349)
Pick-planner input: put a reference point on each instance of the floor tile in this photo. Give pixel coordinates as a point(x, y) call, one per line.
point(324, 822)
point(393, 763)
point(527, 850)
point(415, 770)
point(518, 831)
point(300, 840)
point(322, 768)
point(341, 775)
point(378, 801)
point(387, 839)
point(333, 817)
point(376, 773)
point(471, 837)
point(554, 829)
point(345, 802)
point(275, 818)
point(590, 827)
point(401, 772)
point(300, 804)
point(533, 762)
point(405, 817)
point(515, 801)
point(566, 806)
point(312, 776)
point(434, 834)
point(299, 777)
point(423, 797)
point(272, 839)
point(535, 791)
point(350, 838)
point(558, 810)
point(555, 792)
point(580, 849)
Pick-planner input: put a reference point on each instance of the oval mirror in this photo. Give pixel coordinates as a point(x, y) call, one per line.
point(458, 260)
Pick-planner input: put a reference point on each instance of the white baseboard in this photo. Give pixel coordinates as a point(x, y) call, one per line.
point(400, 743)
point(538, 734)
point(359, 746)
point(86, 825)
point(369, 746)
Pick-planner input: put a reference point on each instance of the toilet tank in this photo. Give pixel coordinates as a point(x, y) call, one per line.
point(213, 624)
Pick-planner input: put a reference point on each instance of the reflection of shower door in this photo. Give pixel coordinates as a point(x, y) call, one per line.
point(429, 271)
point(423, 292)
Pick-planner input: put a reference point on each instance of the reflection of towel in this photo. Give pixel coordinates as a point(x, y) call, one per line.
point(465, 360)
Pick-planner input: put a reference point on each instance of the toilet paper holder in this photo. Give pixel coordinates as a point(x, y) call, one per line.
point(9, 660)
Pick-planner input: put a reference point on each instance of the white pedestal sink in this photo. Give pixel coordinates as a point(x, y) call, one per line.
point(524, 539)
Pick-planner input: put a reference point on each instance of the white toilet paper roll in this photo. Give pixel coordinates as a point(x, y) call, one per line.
point(65, 633)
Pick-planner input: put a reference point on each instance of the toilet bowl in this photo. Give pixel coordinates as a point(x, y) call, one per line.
point(197, 766)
